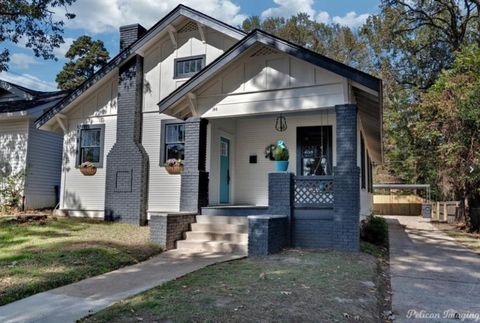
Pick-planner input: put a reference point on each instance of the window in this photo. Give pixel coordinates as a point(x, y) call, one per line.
point(90, 144)
point(314, 151)
point(370, 174)
point(362, 161)
point(189, 66)
point(173, 140)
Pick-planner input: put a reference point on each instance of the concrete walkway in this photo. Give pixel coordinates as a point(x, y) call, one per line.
point(433, 276)
point(72, 302)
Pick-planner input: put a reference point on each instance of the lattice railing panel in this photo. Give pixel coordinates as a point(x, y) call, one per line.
point(313, 192)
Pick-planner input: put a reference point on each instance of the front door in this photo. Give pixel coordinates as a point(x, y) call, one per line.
point(224, 170)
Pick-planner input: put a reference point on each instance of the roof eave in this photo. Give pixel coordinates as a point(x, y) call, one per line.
point(180, 10)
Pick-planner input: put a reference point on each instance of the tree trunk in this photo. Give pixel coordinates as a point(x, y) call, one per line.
point(473, 215)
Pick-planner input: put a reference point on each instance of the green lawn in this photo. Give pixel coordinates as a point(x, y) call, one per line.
point(39, 256)
point(294, 286)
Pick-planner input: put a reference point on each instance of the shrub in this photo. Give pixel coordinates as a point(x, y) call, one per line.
point(375, 230)
point(11, 192)
point(281, 151)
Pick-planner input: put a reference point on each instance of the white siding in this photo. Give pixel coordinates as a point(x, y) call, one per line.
point(85, 195)
point(13, 143)
point(366, 198)
point(252, 135)
point(44, 159)
point(159, 81)
point(159, 62)
point(164, 189)
point(263, 82)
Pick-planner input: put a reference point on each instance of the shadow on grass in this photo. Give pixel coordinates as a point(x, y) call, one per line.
point(57, 264)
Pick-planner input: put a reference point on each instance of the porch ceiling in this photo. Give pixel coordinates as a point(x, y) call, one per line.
point(370, 111)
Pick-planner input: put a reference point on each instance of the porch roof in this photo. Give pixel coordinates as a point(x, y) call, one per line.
point(258, 36)
point(366, 89)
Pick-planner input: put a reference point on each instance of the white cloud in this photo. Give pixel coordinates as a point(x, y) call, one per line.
point(60, 51)
point(22, 61)
point(287, 8)
point(323, 17)
point(351, 19)
point(28, 81)
point(97, 16)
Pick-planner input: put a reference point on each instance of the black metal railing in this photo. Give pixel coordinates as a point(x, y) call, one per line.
point(313, 191)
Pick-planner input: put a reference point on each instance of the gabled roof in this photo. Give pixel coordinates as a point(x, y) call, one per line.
point(123, 56)
point(259, 36)
point(26, 99)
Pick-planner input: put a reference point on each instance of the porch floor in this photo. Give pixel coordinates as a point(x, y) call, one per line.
point(234, 210)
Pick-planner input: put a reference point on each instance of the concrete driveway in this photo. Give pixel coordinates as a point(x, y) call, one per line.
point(434, 278)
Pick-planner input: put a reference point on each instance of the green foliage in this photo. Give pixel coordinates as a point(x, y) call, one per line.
point(375, 230)
point(11, 192)
point(335, 41)
point(34, 23)
point(281, 153)
point(450, 121)
point(85, 57)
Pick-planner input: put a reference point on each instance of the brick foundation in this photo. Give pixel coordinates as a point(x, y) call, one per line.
point(167, 228)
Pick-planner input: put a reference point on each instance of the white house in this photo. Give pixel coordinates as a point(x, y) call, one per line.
point(196, 89)
point(33, 156)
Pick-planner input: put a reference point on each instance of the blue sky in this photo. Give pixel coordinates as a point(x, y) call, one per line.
point(100, 19)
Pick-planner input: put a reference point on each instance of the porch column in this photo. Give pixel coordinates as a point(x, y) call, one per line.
point(194, 179)
point(346, 235)
point(280, 197)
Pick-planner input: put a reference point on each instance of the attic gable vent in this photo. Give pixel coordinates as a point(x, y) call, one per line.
point(189, 27)
point(264, 51)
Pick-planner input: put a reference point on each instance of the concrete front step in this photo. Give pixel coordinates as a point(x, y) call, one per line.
point(219, 228)
point(212, 246)
point(217, 236)
point(218, 219)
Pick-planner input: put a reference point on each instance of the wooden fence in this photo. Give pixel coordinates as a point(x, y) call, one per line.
point(397, 204)
point(444, 211)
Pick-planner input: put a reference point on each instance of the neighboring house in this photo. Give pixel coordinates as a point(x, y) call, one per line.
point(32, 154)
point(195, 88)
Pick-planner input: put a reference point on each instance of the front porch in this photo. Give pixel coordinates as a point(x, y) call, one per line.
point(230, 111)
point(237, 164)
point(319, 205)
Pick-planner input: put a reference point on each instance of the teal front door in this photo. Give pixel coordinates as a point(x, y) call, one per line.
point(224, 170)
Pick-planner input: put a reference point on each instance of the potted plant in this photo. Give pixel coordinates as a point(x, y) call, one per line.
point(88, 169)
point(174, 166)
point(281, 155)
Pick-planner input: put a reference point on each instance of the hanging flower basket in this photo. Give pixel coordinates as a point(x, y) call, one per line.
point(174, 166)
point(88, 169)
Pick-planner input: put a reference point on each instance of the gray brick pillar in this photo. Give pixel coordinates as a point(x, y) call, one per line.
point(346, 190)
point(280, 197)
point(127, 162)
point(194, 179)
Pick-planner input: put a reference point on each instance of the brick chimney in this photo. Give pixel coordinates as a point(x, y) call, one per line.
point(129, 34)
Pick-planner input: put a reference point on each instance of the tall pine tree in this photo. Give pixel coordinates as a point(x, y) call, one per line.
point(85, 57)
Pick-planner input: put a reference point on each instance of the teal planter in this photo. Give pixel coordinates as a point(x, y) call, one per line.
point(281, 165)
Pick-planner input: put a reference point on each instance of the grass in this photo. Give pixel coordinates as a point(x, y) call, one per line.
point(293, 286)
point(39, 256)
point(470, 240)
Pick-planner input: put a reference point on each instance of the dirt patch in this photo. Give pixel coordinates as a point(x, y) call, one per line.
point(294, 286)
